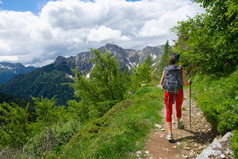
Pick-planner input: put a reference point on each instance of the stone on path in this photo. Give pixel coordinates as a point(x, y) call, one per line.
point(158, 126)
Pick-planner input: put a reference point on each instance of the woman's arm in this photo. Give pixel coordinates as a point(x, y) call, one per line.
point(184, 79)
point(161, 81)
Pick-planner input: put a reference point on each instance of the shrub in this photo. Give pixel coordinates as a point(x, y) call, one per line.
point(218, 101)
point(234, 144)
point(51, 139)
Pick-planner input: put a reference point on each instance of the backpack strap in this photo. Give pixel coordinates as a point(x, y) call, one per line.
point(163, 80)
point(181, 80)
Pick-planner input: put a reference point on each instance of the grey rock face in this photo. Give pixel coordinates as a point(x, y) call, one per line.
point(126, 57)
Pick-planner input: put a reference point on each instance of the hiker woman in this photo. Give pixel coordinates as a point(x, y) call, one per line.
point(173, 79)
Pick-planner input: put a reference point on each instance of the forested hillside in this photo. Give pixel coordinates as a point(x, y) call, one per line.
point(117, 109)
point(47, 82)
point(12, 99)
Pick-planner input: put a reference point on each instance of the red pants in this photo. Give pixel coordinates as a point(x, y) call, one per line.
point(169, 103)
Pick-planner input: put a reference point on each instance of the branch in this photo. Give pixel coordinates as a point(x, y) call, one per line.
point(10, 134)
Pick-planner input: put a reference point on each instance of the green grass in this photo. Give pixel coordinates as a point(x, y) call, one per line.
point(180, 147)
point(121, 131)
point(184, 140)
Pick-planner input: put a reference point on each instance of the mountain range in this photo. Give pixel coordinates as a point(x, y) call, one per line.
point(52, 80)
point(8, 70)
point(127, 58)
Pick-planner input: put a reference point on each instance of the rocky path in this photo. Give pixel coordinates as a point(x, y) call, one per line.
point(188, 142)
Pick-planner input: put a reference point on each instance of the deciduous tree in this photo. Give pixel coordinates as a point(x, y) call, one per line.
point(208, 42)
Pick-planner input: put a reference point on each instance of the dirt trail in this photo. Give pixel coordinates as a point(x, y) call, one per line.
point(188, 142)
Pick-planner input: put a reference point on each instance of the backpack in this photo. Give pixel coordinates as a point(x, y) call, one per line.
point(172, 81)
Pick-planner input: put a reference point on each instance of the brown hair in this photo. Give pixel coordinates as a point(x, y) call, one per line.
point(174, 58)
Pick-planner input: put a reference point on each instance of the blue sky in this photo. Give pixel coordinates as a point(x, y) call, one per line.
point(68, 27)
point(34, 6)
point(23, 5)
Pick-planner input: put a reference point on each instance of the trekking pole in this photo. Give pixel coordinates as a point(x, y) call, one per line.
point(190, 102)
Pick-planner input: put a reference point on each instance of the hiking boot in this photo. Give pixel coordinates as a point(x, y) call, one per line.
point(169, 137)
point(180, 125)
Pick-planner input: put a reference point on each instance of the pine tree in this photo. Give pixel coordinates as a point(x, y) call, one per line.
point(149, 60)
point(164, 59)
point(141, 74)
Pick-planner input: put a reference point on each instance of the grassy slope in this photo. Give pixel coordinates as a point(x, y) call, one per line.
point(121, 131)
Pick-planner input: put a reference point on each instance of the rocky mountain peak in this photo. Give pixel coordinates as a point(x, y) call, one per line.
point(113, 49)
point(126, 57)
point(59, 61)
point(113, 46)
point(150, 49)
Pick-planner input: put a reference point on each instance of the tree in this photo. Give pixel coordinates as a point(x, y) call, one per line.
point(48, 113)
point(15, 128)
point(208, 42)
point(141, 74)
point(106, 83)
point(149, 60)
point(164, 59)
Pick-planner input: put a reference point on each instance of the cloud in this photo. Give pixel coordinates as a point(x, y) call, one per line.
point(4, 46)
point(8, 58)
point(1, 2)
point(104, 33)
point(68, 27)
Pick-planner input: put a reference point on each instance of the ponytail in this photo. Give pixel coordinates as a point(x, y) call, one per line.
point(175, 57)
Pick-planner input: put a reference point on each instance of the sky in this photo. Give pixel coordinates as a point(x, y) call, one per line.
point(36, 32)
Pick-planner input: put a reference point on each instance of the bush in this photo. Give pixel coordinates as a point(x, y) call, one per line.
point(51, 139)
point(218, 100)
point(234, 144)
